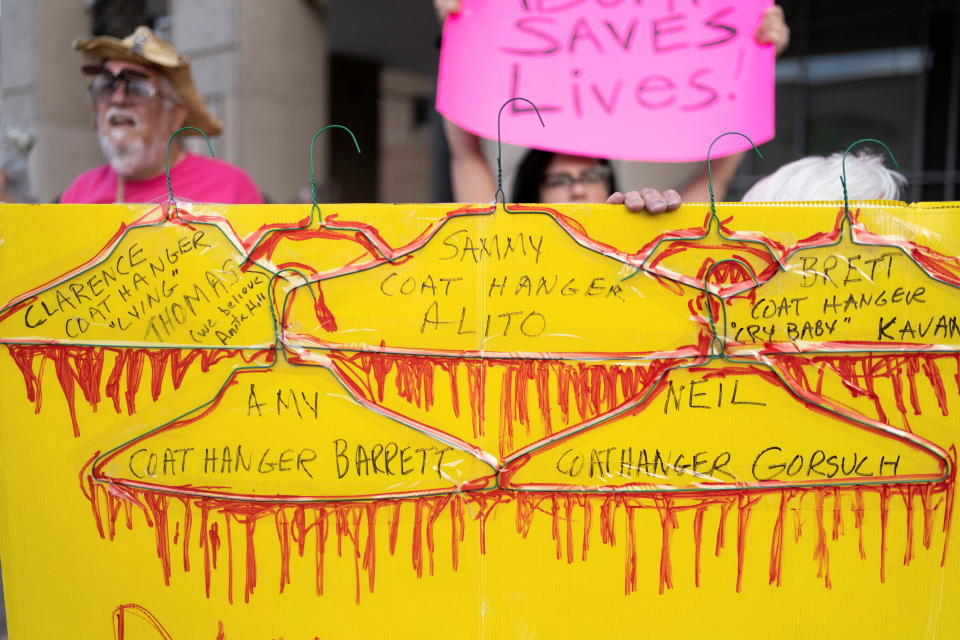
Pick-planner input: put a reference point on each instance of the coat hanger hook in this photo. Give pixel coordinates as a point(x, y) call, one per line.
point(313, 180)
point(713, 205)
point(499, 192)
point(843, 169)
point(166, 162)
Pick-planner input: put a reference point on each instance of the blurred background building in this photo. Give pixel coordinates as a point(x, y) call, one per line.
point(274, 72)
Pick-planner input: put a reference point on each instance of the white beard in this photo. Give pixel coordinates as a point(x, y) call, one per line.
point(125, 148)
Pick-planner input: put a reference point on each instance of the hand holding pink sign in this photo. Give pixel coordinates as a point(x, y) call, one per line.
point(608, 74)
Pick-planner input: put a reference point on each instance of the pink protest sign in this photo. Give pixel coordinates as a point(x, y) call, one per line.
point(649, 80)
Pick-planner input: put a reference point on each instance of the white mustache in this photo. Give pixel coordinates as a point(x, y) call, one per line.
point(124, 113)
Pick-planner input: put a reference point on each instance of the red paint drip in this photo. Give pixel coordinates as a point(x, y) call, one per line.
point(858, 518)
point(821, 552)
point(562, 510)
point(697, 539)
point(580, 390)
point(775, 573)
point(78, 367)
point(355, 523)
point(593, 388)
point(668, 522)
point(859, 376)
point(745, 503)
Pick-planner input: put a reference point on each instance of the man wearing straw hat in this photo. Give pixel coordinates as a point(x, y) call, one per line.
point(142, 91)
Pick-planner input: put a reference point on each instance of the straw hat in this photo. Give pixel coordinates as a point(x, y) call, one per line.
point(145, 47)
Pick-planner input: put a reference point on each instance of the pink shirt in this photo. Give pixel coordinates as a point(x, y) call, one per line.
point(194, 178)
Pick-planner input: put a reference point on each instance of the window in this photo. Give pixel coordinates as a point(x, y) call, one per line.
point(869, 69)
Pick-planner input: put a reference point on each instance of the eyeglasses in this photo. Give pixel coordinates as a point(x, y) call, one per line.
point(593, 175)
point(136, 86)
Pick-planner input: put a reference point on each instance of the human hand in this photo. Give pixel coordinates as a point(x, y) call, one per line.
point(649, 200)
point(773, 28)
point(446, 7)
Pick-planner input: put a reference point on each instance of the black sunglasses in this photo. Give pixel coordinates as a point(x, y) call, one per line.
point(137, 86)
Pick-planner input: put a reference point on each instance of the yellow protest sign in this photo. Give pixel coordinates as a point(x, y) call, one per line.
point(461, 421)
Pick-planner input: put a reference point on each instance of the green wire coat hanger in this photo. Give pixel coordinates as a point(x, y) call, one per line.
point(314, 207)
point(848, 222)
point(714, 227)
point(171, 213)
point(315, 213)
point(718, 353)
point(845, 234)
point(433, 232)
point(349, 395)
point(843, 176)
point(713, 203)
point(174, 211)
point(499, 193)
point(166, 162)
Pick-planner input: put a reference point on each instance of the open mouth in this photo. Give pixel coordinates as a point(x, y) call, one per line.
point(120, 119)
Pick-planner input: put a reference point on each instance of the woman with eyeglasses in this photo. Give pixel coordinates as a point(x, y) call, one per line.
point(545, 176)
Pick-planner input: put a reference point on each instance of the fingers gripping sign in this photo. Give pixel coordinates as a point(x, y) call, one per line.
point(649, 200)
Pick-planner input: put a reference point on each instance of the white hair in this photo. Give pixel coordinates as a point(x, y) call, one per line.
point(818, 178)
